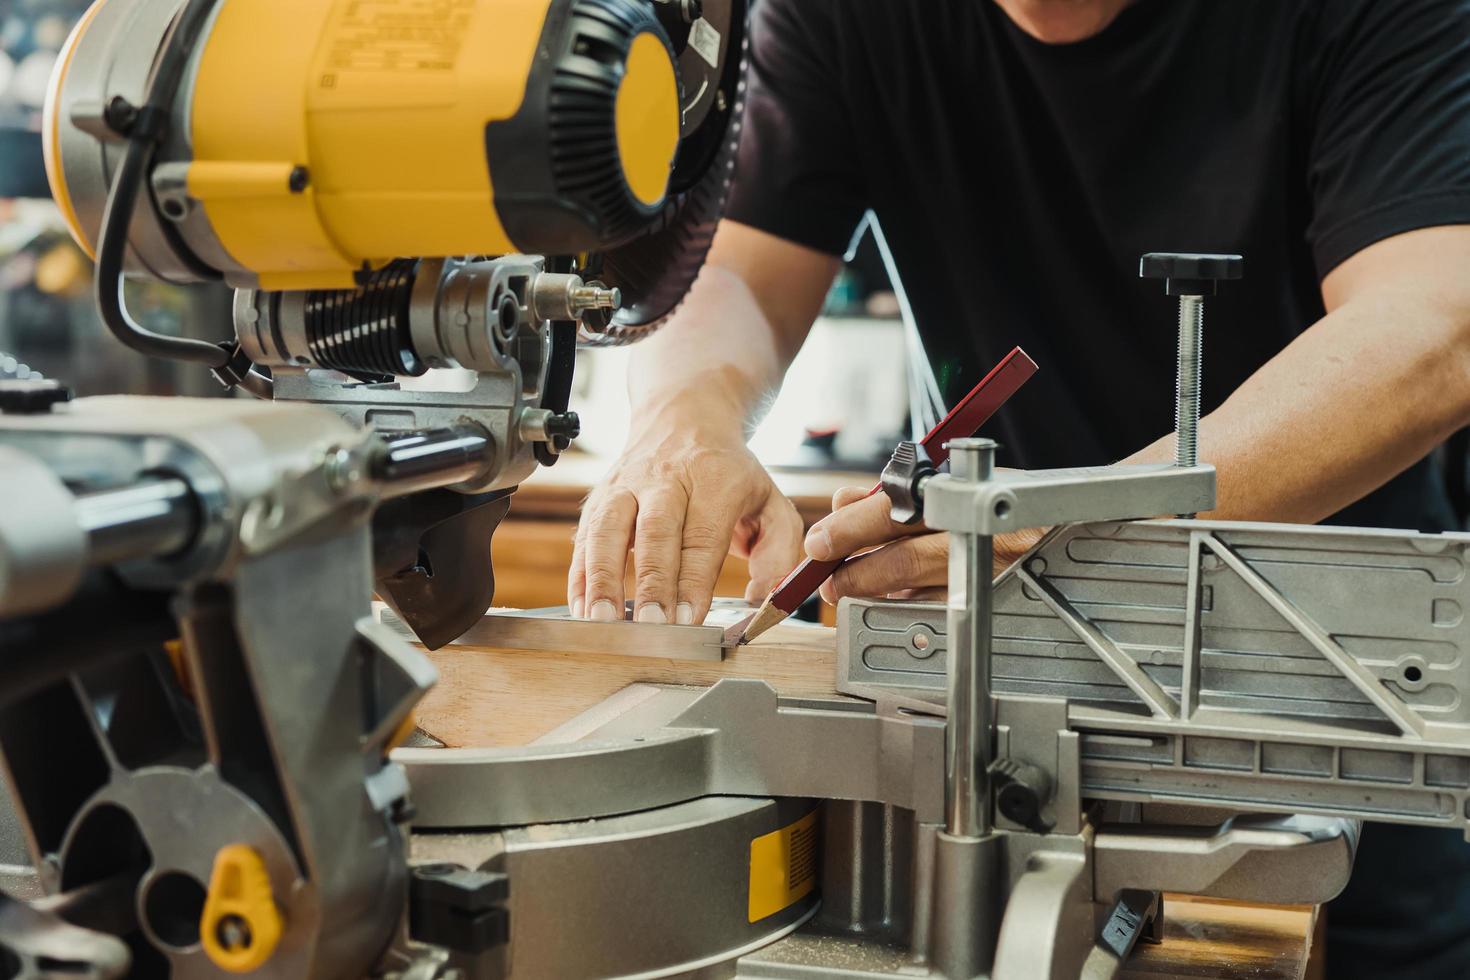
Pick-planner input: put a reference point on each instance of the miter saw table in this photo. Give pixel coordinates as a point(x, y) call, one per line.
point(1196, 707)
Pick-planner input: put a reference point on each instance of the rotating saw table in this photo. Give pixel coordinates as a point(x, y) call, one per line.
point(494, 696)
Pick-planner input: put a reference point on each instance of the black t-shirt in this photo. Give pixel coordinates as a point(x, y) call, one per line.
point(1017, 184)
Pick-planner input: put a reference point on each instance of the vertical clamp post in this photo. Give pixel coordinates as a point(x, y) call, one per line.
point(967, 728)
point(1191, 277)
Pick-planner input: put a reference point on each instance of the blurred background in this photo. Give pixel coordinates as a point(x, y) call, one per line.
point(47, 324)
point(850, 396)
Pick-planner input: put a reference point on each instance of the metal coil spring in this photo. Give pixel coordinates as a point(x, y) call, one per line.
point(365, 330)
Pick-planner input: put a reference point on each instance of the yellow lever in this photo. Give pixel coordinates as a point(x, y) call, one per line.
point(241, 924)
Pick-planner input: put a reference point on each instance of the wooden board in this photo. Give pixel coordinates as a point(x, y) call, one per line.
point(489, 697)
point(531, 558)
point(1206, 937)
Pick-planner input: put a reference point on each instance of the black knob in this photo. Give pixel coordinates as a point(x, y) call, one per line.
point(31, 397)
point(1190, 273)
point(563, 428)
point(903, 481)
point(452, 906)
point(1021, 793)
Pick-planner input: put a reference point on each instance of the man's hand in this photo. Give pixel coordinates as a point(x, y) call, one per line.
point(686, 483)
point(687, 497)
point(910, 561)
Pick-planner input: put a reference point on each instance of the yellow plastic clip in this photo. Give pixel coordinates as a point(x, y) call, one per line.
point(241, 924)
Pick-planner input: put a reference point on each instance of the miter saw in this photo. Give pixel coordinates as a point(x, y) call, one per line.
point(397, 187)
point(393, 188)
point(199, 719)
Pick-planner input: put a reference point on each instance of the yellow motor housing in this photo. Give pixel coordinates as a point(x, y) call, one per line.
point(313, 138)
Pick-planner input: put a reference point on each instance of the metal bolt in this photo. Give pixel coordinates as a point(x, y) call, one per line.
point(1191, 276)
point(595, 296)
point(342, 469)
point(1187, 380)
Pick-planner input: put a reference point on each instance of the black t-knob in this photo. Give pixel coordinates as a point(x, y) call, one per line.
point(1190, 273)
point(566, 424)
point(31, 397)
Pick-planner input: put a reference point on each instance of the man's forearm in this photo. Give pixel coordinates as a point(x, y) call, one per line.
point(717, 352)
point(1355, 400)
point(723, 353)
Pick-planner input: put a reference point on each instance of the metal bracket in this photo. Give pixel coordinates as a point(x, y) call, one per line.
point(1014, 500)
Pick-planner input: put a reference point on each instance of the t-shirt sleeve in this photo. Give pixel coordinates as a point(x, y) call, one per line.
point(797, 175)
point(1390, 139)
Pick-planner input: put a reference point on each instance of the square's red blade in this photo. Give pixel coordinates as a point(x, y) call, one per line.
point(964, 420)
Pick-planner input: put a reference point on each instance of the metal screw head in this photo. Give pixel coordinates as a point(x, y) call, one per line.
point(343, 469)
point(233, 933)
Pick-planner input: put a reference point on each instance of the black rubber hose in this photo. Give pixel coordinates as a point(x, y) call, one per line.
point(655, 272)
point(117, 216)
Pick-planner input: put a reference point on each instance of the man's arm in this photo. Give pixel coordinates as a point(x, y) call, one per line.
point(686, 490)
point(1362, 395)
point(1359, 397)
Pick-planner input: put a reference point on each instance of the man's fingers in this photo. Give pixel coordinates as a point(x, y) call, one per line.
point(609, 531)
point(577, 578)
point(921, 595)
point(658, 539)
point(777, 548)
point(861, 524)
point(914, 563)
point(1010, 547)
point(848, 495)
point(708, 526)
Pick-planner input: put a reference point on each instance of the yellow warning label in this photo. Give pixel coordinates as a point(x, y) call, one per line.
point(399, 35)
point(376, 53)
point(783, 867)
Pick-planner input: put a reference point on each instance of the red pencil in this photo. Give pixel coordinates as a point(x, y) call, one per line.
point(973, 411)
